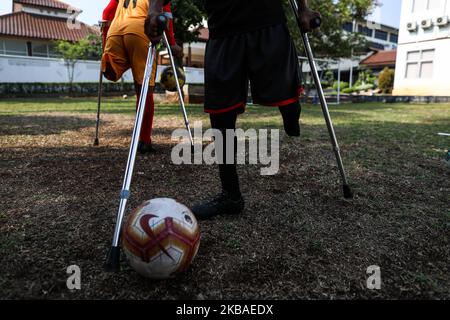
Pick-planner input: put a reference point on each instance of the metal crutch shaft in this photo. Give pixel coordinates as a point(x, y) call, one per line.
point(347, 190)
point(99, 101)
point(180, 93)
point(102, 23)
point(113, 259)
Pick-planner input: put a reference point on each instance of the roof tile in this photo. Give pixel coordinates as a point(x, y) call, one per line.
point(45, 3)
point(381, 58)
point(22, 24)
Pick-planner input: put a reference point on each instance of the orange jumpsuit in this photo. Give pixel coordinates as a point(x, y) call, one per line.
point(127, 47)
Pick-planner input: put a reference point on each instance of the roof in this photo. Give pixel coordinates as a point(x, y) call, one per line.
point(377, 25)
point(381, 58)
point(55, 4)
point(22, 24)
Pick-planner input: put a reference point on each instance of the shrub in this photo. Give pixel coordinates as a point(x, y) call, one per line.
point(366, 76)
point(344, 85)
point(328, 78)
point(386, 80)
point(364, 87)
point(325, 84)
point(348, 90)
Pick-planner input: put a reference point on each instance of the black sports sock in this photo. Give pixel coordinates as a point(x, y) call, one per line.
point(227, 172)
point(291, 118)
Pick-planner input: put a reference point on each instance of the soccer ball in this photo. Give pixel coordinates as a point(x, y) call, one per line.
point(161, 238)
point(167, 79)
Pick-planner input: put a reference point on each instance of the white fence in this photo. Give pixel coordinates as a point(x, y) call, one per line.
point(15, 69)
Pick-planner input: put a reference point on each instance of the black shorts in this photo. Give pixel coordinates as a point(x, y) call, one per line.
point(267, 57)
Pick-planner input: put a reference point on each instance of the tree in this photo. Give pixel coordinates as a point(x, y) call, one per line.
point(331, 41)
point(72, 52)
point(328, 78)
point(386, 80)
point(93, 50)
point(188, 17)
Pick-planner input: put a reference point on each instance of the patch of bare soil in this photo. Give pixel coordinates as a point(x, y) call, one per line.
point(297, 238)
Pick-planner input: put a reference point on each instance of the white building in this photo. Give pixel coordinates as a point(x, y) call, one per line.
point(379, 36)
point(423, 65)
point(27, 35)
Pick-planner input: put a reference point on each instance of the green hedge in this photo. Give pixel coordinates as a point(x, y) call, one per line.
point(64, 89)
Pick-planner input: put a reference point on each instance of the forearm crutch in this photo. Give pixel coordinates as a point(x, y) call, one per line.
point(348, 194)
point(113, 258)
point(180, 93)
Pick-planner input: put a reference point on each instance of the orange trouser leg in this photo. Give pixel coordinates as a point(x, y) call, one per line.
point(147, 122)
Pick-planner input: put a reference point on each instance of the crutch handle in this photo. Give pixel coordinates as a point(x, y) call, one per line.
point(315, 22)
point(162, 24)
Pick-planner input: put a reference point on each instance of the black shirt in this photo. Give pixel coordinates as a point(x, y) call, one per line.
point(229, 17)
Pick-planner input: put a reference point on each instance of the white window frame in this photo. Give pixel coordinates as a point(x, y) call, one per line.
point(14, 52)
point(428, 5)
point(419, 62)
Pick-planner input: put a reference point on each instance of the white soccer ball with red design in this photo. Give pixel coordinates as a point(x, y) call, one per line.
point(161, 238)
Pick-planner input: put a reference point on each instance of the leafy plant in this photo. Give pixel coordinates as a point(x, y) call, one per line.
point(365, 77)
point(364, 87)
point(72, 52)
point(328, 78)
point(348, 90)
point(344, 85)
point(188, 18)
point(331, 40)
point(386, 80)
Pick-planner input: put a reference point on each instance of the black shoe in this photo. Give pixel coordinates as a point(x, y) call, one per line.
point(145, 148)
point(222, 204)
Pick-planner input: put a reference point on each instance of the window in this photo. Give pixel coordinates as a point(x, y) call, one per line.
point(421, 5)
point(40, 49)
point(365, 31)
point(348, 27)
point(52, 51)
point(15, 47)
point(376, 45)
point(382, 35)
point(393, 38)
point(434, 4)
point(419, 64)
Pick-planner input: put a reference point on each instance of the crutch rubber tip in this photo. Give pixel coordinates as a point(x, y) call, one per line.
point(96, 142)
point(348, 194)
point(113, 260)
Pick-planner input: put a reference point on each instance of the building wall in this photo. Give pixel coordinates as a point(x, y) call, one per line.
point(46, 11)
point(423, 65)
point(19, 46)
point(381, 36)
point(17, 7)
point(34, 69)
